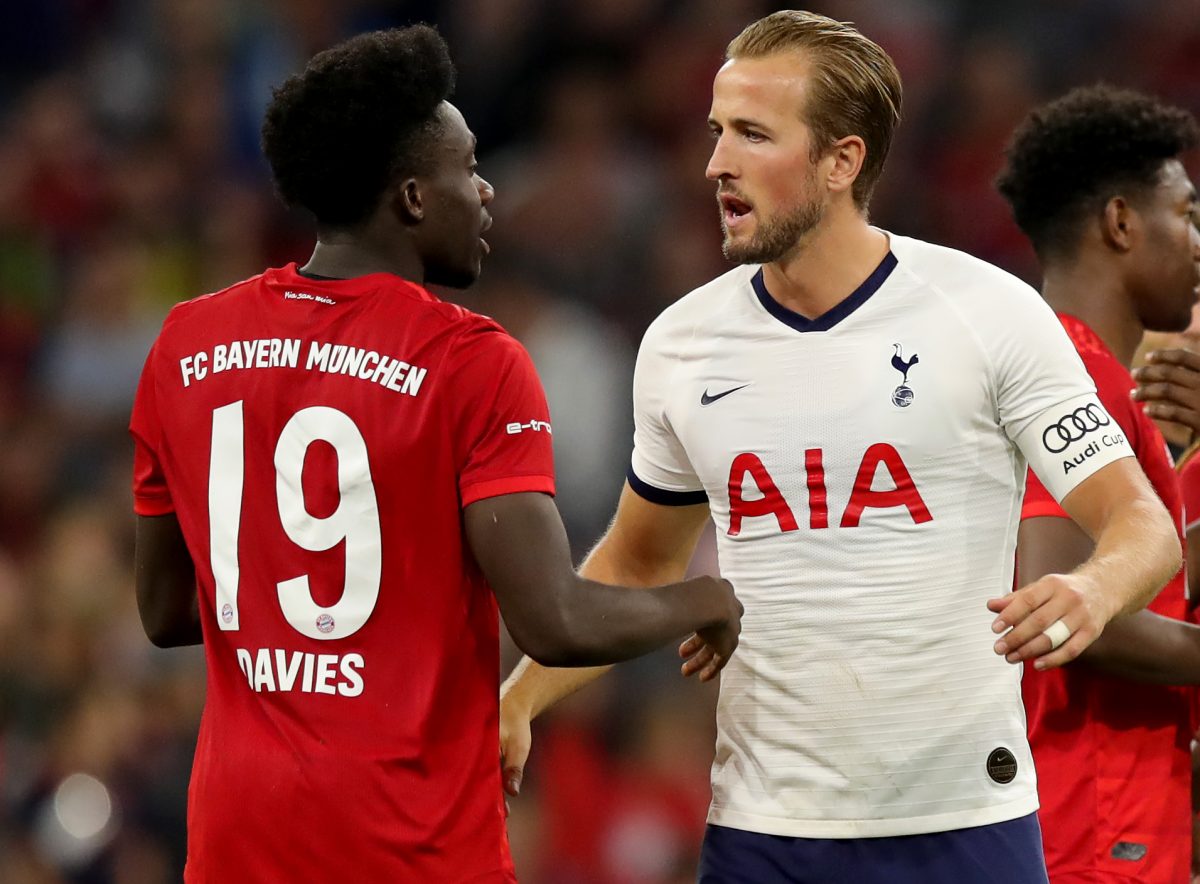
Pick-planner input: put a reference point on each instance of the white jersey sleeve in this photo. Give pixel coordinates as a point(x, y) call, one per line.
point(660, 470)
point(1046, 400)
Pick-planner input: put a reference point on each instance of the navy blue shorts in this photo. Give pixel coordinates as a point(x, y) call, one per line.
point(1003, 853)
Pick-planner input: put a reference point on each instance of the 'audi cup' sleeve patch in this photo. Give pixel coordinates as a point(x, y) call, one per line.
point(1068, 442)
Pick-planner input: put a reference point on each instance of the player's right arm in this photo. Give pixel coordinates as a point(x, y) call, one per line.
point(165, 580)
point(164, 574)
point(1143, 646)
point(1047, 405)
point(647, 544)
point(563, 619)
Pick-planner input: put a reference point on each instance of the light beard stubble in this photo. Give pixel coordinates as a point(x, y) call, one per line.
point(774, 238)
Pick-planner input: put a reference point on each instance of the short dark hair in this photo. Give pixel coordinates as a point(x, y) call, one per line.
point(1069, 157)
point(339, 132)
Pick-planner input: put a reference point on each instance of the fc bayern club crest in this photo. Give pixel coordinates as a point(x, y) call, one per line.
point(903, 395)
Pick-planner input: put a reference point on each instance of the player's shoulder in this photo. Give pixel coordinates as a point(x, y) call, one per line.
point(702, 304)
point(466, 337)
point(960, 276)
point(213, 303)
point(475, 333)
point(203, 313)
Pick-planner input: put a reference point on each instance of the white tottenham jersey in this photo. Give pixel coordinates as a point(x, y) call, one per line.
point(865, 472)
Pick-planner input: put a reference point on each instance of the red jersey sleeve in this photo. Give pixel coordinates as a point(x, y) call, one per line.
point(502, 422)
point(150, 494)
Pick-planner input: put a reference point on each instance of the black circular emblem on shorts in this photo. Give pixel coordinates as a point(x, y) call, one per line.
point(1002, 766)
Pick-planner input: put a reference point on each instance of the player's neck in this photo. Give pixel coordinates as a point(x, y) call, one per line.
point(1096, 296)
point(827, 266)
point(342, 256)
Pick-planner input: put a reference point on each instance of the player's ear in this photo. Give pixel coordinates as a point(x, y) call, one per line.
point(847, 156)
point(1117, 222)
point(408, 202)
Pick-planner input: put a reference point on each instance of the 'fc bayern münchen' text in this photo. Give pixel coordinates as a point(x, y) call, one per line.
point(356, 362)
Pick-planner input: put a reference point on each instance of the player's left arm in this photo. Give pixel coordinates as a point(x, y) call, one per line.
point(1136, 553)
point(165, 578)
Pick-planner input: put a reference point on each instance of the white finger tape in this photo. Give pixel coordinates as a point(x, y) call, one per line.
point(1058, 632)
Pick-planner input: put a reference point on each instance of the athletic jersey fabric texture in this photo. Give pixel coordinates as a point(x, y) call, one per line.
point(864, 470)
point(1113, 756)
point(317, 441)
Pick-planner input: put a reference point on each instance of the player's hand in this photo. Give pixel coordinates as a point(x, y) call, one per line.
point(1025, 615)
point(1169, 384)
point(707, 650)
point(515, 740)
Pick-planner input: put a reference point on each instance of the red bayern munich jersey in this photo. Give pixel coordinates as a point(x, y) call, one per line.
point(317, 440)
point(1113, 758)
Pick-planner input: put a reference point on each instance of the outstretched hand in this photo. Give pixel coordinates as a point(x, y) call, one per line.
point(1024, 617)
point(1169, 384)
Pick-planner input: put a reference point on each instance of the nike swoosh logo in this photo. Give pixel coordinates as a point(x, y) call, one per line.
point(705, 399)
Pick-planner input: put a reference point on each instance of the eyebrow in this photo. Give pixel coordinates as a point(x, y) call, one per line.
point(741, 123)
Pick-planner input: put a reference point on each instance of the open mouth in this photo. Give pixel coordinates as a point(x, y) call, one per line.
point(733, 209)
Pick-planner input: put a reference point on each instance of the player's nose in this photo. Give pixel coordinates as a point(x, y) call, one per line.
point(720, 164)
point(487, 193)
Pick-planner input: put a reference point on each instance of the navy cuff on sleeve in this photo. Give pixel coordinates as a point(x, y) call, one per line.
point(662, 496)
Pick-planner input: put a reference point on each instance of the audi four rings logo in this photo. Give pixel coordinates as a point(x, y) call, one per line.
point(1073, 427)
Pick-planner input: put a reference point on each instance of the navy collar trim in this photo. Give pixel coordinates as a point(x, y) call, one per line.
point(833, 315)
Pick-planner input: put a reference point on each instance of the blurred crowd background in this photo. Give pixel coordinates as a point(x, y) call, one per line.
point(130, 179)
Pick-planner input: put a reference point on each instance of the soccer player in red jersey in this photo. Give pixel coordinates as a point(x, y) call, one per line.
point(337, 477)
point(1095, 181)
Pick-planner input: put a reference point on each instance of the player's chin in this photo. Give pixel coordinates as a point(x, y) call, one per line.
point(459, 274)
point(741, 250)
point(1179, 320)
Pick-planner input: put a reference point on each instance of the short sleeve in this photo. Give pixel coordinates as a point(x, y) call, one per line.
point(150, 494)
point(1113, 392)
point(1046, 400)
point(503, 436)
point(660, 470)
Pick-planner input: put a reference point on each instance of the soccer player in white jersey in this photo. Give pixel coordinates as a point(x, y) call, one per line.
point(856, 410)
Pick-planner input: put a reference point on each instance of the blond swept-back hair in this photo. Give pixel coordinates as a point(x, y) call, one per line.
point(855, 85)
